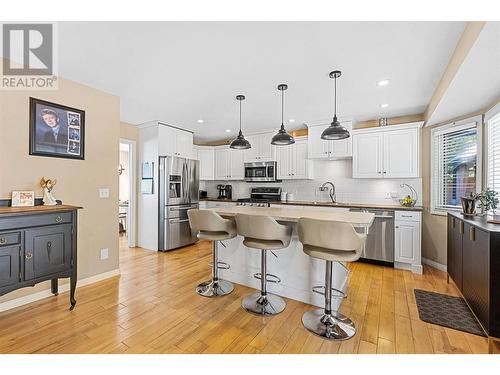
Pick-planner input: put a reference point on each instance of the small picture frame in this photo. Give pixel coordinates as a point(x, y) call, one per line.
point(147, 169)
point(147, 186)
point(23, 198)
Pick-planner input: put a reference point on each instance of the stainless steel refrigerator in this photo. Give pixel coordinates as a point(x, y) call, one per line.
point(178, 193)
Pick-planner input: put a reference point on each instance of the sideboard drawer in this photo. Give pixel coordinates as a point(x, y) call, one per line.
point(37, 220)
point(12, 238)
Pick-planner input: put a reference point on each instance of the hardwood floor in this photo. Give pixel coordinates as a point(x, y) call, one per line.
point(152, 308)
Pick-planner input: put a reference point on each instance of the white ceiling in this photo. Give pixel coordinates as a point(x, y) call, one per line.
point(477, 82)
point(181, 72)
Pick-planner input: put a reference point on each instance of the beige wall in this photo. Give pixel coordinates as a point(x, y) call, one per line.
point(78, 180)
point(129, 131)
point(434, 226)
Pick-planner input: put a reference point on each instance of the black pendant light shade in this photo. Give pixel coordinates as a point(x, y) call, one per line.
point(240, 143)
point(335, 131)
point(282, 138)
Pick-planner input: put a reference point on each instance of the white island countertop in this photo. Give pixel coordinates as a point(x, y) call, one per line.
point(363, 219)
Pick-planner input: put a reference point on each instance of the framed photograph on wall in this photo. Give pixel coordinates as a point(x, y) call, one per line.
point(56, 130)
point(23, 198)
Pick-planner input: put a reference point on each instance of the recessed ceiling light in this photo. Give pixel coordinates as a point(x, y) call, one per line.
point(291, 120)
point(200, 121)
point(228, 130)
point(385, 105)
point(383, 82)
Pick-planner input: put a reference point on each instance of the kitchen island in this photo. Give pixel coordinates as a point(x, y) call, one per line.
point(298, 272)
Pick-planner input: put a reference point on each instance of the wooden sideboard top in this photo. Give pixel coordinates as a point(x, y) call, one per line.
point(37, 209)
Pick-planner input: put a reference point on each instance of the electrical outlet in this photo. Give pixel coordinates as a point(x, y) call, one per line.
point(104, 254)
point(103, 193)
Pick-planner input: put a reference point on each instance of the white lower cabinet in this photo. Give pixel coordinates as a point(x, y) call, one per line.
point(407, 240)
point(292, 161)
point(229, 164)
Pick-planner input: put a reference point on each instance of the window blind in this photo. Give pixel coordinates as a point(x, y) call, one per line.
point(455, 164)
point(494, 153)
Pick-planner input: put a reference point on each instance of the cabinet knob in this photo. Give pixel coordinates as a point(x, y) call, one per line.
point(29, 255)
point(2, 241)
point(58, 219)
point(397, 226)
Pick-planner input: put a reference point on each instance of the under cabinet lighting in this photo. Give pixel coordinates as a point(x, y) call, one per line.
point(383, 82)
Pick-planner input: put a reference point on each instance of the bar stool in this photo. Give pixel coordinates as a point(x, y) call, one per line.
point(264, 233)
point(211, 226)
point(334, 242)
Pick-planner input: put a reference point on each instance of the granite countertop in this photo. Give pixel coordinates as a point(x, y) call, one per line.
point(363, 219)
point(330, 204)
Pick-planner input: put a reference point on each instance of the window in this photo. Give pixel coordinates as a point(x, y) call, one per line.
point(493, 150)
point(456, 164)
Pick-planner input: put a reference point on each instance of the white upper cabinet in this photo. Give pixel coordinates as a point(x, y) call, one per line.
point(388, 152)
point(221, 163)
point(175, 142)
point(367, 156)
point(262, 149)
point(292, 161)
point(206, 156)
point(321, 149)
point(229, 164)
point(237, 166)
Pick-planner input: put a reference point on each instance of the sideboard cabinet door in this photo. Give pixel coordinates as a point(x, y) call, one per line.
point(454, 257)
point(476, 275)
point(9, 265)
point(47, 251)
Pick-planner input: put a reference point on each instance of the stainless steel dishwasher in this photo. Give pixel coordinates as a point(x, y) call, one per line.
point(379, 246)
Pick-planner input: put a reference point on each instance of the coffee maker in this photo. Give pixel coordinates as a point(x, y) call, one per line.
point(225, 191)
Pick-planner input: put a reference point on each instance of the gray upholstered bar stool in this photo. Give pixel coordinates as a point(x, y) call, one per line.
point(264, 233)
point(334, 242)
point(211, 226)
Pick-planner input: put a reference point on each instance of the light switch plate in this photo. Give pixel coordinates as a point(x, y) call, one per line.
point(104, 193)
point(104, 254)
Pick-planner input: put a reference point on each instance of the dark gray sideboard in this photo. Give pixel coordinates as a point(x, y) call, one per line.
point(38, 244)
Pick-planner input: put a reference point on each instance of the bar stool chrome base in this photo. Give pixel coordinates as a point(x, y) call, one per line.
point(267, 305)
point(334, 326)
point(214, 288)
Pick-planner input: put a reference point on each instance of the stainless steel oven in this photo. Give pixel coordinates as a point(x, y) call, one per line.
point(264, 171)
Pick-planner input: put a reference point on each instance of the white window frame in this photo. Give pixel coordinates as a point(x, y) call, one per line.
point(449, 128)
point(488, 116)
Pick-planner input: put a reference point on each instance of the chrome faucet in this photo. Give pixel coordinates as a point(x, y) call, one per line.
point(331, 190)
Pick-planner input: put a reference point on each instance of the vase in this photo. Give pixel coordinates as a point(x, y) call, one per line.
point(468, 206)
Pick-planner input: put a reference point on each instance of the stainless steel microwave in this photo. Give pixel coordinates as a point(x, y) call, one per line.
point(264, 171)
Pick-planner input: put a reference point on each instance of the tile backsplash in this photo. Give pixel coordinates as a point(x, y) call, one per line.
point(339, 172)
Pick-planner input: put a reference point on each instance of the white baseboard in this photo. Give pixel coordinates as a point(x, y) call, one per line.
point(436, 265)
point(62, 288)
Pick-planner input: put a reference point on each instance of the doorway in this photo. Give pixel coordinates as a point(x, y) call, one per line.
point(127, 192)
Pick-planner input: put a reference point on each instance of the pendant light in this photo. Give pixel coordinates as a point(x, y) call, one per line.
point(282, 138)
point(240, 143)
point(335, 131)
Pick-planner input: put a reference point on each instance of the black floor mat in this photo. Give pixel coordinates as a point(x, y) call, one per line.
point(447, 311)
